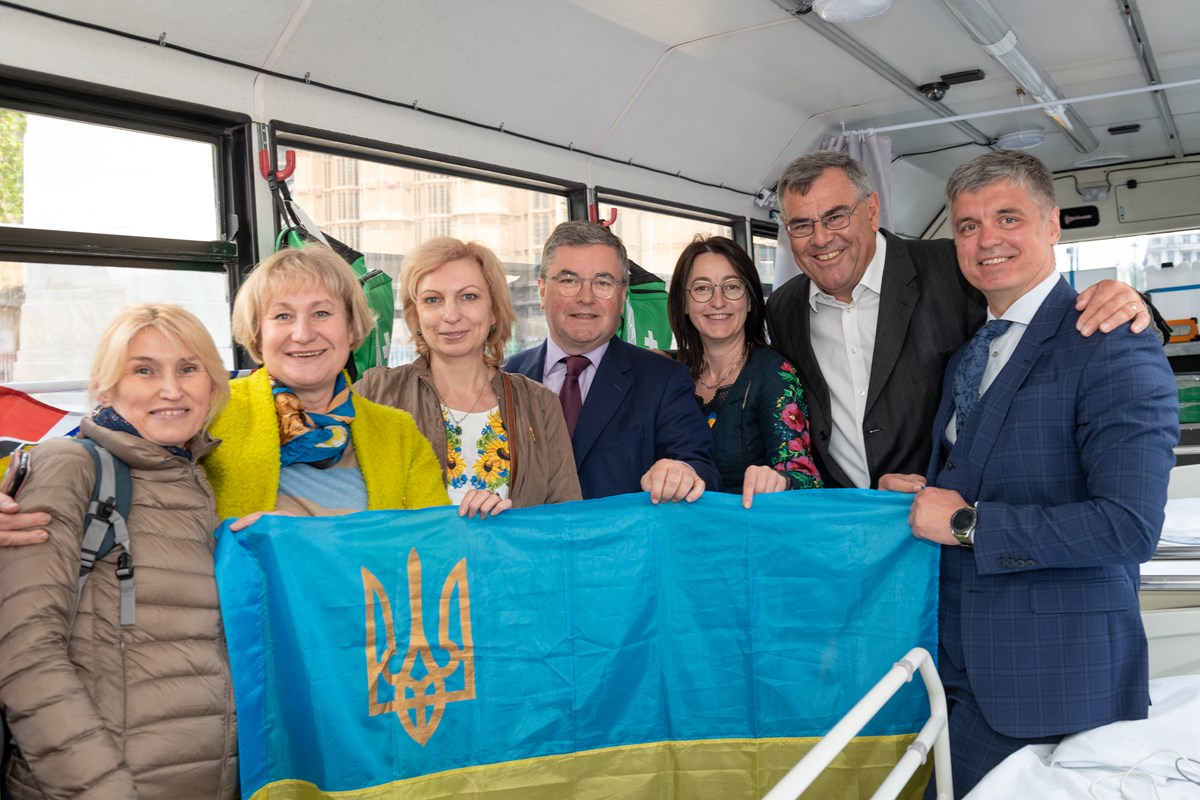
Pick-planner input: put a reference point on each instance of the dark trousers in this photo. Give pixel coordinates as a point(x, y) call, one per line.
point(975, 749)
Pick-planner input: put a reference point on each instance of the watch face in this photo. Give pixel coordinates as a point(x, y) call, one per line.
point(962, 520)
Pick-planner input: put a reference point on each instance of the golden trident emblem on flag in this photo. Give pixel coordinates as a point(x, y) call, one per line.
point(419, 701)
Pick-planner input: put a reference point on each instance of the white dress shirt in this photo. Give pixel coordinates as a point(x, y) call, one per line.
point(1020, 313)
point(843, 341)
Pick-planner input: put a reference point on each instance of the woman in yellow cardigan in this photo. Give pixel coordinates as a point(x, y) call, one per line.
point(296, 439)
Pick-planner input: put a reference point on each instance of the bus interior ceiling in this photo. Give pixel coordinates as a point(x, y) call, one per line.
point(714, 97)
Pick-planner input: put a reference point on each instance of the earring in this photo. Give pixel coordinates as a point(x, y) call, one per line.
point(492, 329)
point(419, 334)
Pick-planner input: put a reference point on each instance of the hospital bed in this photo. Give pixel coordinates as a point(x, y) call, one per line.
point(1157, 758)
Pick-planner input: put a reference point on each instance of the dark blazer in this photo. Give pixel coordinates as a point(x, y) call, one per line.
point(640, 408)
point(1067, 456)
point(926, 310)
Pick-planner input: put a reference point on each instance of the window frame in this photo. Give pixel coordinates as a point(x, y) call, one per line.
point(642, 202)
point(229, 133)
point(281, 134)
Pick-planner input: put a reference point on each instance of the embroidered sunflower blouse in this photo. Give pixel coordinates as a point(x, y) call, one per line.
point(476, 454)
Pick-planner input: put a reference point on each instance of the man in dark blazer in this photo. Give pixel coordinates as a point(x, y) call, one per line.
point(639, 428)
point(1045, 488)
point(874, 319)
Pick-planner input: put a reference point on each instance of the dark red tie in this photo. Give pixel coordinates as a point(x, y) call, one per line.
point(570, 396)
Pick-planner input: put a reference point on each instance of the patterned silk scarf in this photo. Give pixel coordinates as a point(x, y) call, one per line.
point(107, 417)
point(311, 438)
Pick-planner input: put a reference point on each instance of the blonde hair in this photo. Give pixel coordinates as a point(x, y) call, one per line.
point(432, 255)
point(298, 268)
point(179, 326)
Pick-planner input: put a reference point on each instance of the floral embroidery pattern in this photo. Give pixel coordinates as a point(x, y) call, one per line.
point(792, 454)
point(455, 469)
point(490, 466)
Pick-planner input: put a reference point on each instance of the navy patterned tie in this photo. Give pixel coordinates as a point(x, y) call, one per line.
point(570, 396)
point(970, 370)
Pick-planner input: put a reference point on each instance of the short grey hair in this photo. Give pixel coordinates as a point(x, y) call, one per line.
point(1003, 165)
point(800, 175)
point(582, 234)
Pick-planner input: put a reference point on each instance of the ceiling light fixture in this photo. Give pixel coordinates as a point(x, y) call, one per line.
point(985, 25)
point(1025, 138)
point(849, 10)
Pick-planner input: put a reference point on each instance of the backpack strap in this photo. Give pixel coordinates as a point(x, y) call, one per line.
point(104, 527)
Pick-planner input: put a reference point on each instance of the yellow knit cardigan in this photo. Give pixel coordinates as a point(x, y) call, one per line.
point(397, 462)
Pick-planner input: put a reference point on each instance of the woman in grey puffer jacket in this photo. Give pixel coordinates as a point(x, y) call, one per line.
point(97, 709)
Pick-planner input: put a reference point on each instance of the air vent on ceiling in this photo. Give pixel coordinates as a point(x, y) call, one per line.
point(1117, 130)
point(966, 76)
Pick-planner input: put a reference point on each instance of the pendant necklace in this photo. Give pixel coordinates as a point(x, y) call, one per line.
point(725, 374)
point(445, 405)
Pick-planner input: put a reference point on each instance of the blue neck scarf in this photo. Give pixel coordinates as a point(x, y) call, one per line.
point(107, 417)
point(307, 437)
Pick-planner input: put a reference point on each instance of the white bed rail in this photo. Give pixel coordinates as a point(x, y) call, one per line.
point(933, 735)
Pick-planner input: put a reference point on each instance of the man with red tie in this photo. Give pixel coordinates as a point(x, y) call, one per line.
point(634, 424)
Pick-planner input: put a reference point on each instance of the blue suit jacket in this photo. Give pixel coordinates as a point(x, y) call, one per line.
point(1067, 457)
point(640, 408)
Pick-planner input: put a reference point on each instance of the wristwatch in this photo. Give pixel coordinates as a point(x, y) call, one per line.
point(962, 525)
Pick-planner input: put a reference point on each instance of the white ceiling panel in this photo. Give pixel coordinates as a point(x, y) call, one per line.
point(717, 90)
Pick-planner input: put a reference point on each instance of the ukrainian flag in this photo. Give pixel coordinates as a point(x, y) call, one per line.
point(600, 649)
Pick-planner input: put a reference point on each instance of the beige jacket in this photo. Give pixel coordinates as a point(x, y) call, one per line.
point(99, 711)
point(545, 463)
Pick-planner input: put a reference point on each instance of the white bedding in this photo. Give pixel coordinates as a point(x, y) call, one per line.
point(1182, 522)
point(1121, 761)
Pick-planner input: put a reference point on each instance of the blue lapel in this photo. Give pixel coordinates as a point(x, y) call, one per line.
point(535, 369)
point(975, 445)
point(606, 395)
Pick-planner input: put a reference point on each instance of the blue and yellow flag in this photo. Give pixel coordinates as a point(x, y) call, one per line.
point(606, 648)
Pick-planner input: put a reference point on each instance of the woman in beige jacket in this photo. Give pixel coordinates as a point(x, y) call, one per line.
point(501, 438)
point(99, 709)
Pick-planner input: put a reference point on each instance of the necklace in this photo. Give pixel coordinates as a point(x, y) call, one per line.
point(445, 405)
point(721, 379)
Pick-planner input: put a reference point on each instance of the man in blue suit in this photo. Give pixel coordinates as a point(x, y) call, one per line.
point(1046, 487)
point(634, 423)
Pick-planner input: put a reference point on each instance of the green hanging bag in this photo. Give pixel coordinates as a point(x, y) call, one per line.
point(645, 322)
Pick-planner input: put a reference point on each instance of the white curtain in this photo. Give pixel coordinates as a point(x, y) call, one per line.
point(875, 154)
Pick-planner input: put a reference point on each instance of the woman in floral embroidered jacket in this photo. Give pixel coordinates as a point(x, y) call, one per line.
point(753, 400)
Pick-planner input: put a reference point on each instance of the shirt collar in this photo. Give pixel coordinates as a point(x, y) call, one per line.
point(1026, 306)
point(555, 354)
point(872, 279)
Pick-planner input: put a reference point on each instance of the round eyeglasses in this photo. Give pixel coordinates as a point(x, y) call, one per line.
point(569, 284)
point(833, 221)
point(703, 291)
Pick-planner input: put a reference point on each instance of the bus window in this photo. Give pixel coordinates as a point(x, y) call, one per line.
point(99, 179)
point(1167, 265)
point(95, 217)
point(384, 210)
point(654, 240)
point(765, 248)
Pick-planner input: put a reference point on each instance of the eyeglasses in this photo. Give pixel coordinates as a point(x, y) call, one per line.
point(569, 284)
point(703, 291)
point(833, 221)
